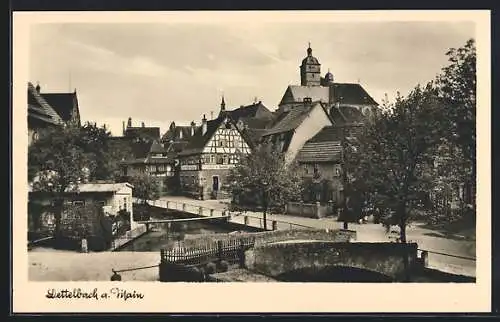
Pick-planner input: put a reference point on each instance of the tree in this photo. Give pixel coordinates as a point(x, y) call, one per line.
point(394, 158)
point(107, 153)
point(145, 188)
point(456, 86)
point(57, 163)
point(94, 141)
point(266, 174)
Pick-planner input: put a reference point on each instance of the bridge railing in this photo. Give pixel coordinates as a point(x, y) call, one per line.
point(239, 217)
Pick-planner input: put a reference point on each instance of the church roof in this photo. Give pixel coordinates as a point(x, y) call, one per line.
point(345, 93)
point(297, 93)
point(63, 103)
point(310, 60)
point(39, 108)
point(352, 93)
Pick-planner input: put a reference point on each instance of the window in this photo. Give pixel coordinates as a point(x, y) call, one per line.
point(337, 172)
point(78, 203)
point(101, 203)
point(225, 159)
point(220, 159)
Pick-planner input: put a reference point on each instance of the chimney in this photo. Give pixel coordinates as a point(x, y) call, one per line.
point(37, 88)
point(203, 125)
point(193, 124)
point(142, 124)
point(129, 122)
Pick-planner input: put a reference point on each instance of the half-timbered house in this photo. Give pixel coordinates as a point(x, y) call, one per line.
point(212, 151)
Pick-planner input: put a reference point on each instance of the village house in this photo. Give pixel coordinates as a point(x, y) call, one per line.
point(40, 114)
point(112, 197)
point(140, 133)
point(65, 104)
point(320, 162)
point(147, 154)
point(291, 129)
point(212, 151)
point(253, 119)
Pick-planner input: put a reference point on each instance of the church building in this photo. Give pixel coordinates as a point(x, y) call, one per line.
point(345, 102)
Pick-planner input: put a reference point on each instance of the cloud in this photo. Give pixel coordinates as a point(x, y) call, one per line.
point(166, 72)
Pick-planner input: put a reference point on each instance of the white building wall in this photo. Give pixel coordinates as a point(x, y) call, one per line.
point(316, 121)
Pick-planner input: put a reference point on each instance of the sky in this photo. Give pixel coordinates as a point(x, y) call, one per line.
point(157, 73)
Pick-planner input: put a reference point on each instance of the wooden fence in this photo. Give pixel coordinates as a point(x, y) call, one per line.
point(230, 250)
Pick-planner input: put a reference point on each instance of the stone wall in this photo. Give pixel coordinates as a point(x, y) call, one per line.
point(309, 210)
point(384, 258)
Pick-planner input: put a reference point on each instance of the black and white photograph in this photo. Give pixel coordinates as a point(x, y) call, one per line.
point(235, 150)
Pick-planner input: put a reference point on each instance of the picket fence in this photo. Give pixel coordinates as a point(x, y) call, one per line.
point(230, 250)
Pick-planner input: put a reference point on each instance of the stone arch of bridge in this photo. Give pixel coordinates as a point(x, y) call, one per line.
point(386, 259)
point(334, 273)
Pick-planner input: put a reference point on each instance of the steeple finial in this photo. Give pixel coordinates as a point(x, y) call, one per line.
point(223, 104)
point(309, 50)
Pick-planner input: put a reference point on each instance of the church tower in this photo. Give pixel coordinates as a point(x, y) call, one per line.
point(310, 70)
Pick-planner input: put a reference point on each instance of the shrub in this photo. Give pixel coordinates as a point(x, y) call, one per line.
point(223, 266)
point(210, 268)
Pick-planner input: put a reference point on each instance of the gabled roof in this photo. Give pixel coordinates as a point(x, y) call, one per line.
point(290, 120)
point(63, 103)
point(173, 134)
point(199, 141)
point(157, 147)
point(39, 108)
point(323, 147)
point(320, 152)
point(152, 133)
point(326, 145)
point(253, 111)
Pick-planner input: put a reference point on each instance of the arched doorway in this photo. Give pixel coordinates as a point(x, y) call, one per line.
point(334, 274)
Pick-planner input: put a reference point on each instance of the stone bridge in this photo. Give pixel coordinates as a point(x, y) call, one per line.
point(375, 262)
